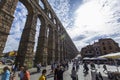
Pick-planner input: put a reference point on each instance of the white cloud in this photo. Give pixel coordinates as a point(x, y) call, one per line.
point(11, 44)
point(61, 8)
point(96, 19)
point(16, 29)
point(37, 33)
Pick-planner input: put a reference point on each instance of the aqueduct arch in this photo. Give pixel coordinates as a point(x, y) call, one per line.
point(54, 45)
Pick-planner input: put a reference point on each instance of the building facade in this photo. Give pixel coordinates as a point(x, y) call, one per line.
point(108, 46)
point(102, 47)
point(97, 50)
point(88, 51)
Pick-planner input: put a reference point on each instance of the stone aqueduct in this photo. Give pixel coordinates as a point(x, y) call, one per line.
point(50, 46)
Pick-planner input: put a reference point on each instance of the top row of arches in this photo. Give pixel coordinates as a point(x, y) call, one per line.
point(43, 4)
point(49, 13)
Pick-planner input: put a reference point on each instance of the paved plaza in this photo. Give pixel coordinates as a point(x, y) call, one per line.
point(81, 76)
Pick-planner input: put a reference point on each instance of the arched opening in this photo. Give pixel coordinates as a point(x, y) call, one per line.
point(23, 38)
point(42, 5)
point(36, 38)
point(49, 36)
point(54, 21)
point(40, 55)
point(48, 32)
point(51, 45)
point(58, 28)
point(18, 24)
point(37, 33)
point(50, 14)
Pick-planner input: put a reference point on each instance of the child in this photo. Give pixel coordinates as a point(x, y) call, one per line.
point(43, 76)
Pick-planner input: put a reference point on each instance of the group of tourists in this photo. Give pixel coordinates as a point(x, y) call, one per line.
point(98, 75)
point(58, 73)
point(64, 64)
point(57, 69)
point(8, 74)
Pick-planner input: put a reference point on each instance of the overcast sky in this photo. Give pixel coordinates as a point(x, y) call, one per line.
point(85, 21)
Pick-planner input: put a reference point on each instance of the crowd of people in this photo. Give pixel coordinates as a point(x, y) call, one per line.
point(57, 69)
point(9, 73)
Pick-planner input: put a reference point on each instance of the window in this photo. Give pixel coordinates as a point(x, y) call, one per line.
point(50, 15)
point(108, 42)
point(41, 4)
point(105, 52)
point(97, 52)
point(104, 48)
point(103, 43)
point(96, 49)
point(54, 21)
point(90, 51)
point(110, 47)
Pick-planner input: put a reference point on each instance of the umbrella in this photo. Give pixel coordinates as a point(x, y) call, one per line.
point(112, 56)
point(86, 58)
point(99, 58)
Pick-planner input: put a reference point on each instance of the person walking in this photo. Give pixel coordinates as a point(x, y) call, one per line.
point(86, 69)
point(105, 68)
point(74, 74)
point(6, 73)
point(92, 66)
point(26, 74)
point(21, 74)
point(58, 75)
point(38, 67)
point(100, 76)
point(55, 72)
point(43, 76)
